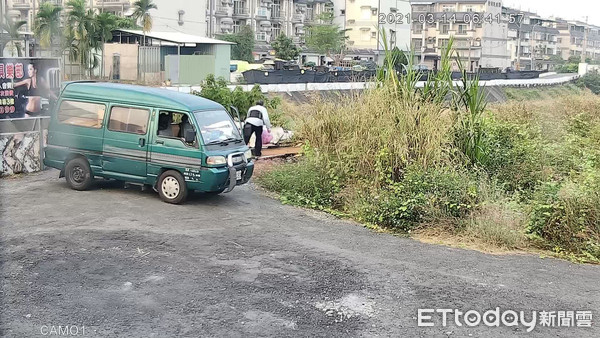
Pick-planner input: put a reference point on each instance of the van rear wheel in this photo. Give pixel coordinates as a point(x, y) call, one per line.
point(78, 174)
point(171, 187)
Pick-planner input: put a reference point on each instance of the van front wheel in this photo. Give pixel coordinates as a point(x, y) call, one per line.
point(171, 187)
point(78, 174)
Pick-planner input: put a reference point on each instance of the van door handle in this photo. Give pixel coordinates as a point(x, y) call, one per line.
point(142, 142)
point(160, 142)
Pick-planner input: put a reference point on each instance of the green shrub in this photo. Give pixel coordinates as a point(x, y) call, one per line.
point(566, 217)
point(591, 81)
point(421, 196)
point(515, 156)
point(308, 182)
point(217, 90)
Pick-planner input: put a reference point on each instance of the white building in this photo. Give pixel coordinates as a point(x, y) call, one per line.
point(182, 16)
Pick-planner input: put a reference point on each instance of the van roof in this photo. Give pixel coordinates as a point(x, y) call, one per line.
point(148, 96)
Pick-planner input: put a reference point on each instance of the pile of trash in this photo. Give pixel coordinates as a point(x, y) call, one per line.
point(277, 137)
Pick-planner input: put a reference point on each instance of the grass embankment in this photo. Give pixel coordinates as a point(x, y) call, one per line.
point(518, 175)
point(542, 93)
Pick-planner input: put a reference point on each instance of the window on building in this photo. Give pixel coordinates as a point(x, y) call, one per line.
point(309, 12)
point(239, 7)
point(462, 29)
point(83, 114)
point(261, 36)
point(417, 44)
point(444, 28)
point(448, 8)
point(276, 30)
point(342, 12)
point(365, 13)
point(443, 43)
point(374, 35)
point(276, 9)
point(392, 38)
point(417, 28)
point(128, 120)
point(365, 35)
point(237, 24)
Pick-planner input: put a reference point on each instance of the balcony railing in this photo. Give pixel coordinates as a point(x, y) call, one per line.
point(240, 11)
point(221, 10)
point(22, 3)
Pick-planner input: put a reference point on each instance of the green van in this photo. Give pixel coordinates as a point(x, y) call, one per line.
point(171, 141)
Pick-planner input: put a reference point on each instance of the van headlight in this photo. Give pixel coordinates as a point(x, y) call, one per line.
point(216, 160)
point(248, 154)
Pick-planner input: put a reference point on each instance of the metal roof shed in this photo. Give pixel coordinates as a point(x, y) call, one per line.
point(184, 58)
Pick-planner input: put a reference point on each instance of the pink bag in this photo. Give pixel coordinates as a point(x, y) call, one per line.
point(266, 136)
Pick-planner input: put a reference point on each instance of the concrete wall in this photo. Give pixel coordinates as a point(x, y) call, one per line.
point(189, 69)
point(222, 60)
point(193, 69)
point(337, 86)
point(129, 60)
point(585, 68)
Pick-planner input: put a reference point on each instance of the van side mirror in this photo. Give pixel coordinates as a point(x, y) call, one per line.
point(190, 136)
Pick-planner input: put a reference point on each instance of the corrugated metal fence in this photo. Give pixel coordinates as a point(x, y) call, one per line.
point(149, 68)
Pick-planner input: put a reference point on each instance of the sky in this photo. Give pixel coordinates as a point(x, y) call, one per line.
point(571, 9)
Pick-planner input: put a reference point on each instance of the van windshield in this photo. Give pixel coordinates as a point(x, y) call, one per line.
point(216, 126)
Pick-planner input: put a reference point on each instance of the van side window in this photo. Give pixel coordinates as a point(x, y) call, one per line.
point(128, 120)
point(173, 125)
point(83, 114)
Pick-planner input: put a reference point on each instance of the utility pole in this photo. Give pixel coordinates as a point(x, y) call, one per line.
point(518, 65)
point(33, 9)
point(3, 6)
point(211, 10)
point(470, 41)
point(532, 39)
point(585, 30)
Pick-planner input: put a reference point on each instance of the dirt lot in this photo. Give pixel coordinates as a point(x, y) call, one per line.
point(120, 263)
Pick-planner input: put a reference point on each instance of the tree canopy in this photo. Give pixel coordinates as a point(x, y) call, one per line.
point(326, 38)
point(244, 43)
point(285, 48)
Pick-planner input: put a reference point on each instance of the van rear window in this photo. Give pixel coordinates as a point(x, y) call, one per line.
point(128, 120)
point(83, 114)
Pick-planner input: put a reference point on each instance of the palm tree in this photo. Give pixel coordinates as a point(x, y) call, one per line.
point(80, 32)
point(47, 24)
point(77, 24)
point(141, 13)
point(12, 27)
point(105, 24)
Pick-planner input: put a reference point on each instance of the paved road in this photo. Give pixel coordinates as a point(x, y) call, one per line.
point(118, 262)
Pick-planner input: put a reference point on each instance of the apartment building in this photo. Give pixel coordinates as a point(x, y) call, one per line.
point(479, 31)
point(366, 20)
point(532, 40)
point(578, 38)
point(26, 9)
point(268, 18)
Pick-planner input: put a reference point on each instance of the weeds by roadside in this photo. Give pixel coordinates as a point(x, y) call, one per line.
point(514, 175)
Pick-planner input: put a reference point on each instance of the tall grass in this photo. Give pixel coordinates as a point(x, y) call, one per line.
point(407, 156)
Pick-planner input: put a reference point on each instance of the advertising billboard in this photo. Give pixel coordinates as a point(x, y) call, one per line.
point(29, 87)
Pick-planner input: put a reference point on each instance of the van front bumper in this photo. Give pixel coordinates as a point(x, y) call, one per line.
point(219, 179)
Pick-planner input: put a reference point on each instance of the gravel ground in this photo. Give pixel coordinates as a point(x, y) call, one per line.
point(117, 262)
